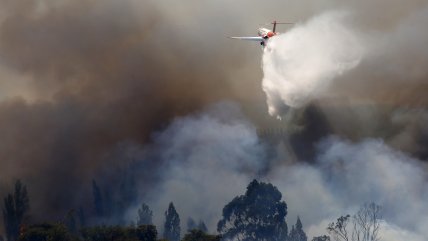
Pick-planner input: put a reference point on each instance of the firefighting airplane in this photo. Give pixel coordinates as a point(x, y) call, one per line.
point(264, 34)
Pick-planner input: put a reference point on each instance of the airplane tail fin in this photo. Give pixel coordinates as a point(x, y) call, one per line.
point(275, 23)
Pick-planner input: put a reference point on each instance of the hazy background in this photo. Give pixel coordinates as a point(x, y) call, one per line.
point(88, 88)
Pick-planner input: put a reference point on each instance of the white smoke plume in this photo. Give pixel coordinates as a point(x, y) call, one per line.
point(349, 54)
point(348, 174)
point(211, 156)
point(299, 65)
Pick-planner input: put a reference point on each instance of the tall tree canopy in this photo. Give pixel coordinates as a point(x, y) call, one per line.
point(172, 224)
point(16, 207)
point(257, 215)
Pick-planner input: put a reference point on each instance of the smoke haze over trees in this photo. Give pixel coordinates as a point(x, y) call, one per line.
point(145, 215)
point(15, 211)
point(106, 104)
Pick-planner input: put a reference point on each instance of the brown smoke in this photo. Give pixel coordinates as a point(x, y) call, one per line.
point(81, 77)
point(102, 72)
point(85, 76)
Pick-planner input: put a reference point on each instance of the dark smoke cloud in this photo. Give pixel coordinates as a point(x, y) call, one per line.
point(101, 72)
point(80, 77)
point(390, 83)
point(81, 80)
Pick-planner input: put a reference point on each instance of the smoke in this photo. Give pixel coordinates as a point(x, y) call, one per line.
point(349, 54)
point(209, 158)
point(394, 233)
point(299, 65)
point(364, 74)
point(354, 173)
point(367, 85)
point(81, 80)
point(78, 78)
point(81, 77)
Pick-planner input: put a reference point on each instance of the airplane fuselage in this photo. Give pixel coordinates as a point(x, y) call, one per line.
point(266, 33)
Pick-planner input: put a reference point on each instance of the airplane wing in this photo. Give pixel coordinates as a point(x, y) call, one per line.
point(249, 38)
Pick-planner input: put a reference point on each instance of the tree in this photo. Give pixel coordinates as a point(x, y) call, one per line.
point(191, 225)
point(365, 225)
point(147, 233)
point(339, 230)
point(144, 215)
point(111, 203)
point(16, 207)
point(257, 215)
point(120, 233)
point(9, 216)
point(172, 224)
point(47, 232)
point(98, 199)
point(297, 233)
point(199, 235)
point(321, 238)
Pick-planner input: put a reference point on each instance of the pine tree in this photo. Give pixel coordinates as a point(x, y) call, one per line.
point(297, 233)
point(22, 202)
point(292, 234)
point(15, 210)
point(144, 215)
point(172, 224)
point(9, 216)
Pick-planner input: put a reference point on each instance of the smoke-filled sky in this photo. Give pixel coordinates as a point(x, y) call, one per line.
point(89, 86)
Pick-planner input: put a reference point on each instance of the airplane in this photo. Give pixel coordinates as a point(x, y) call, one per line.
point(264, 34)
